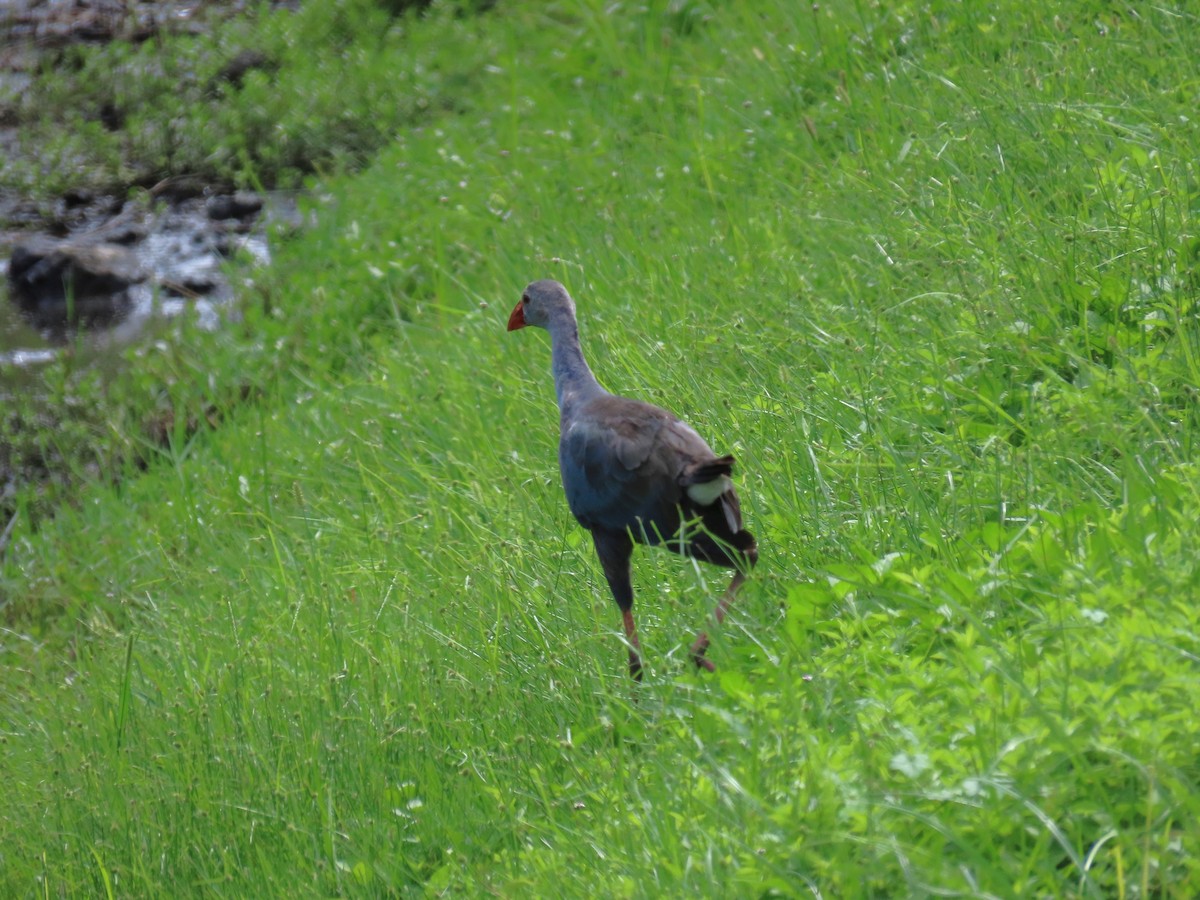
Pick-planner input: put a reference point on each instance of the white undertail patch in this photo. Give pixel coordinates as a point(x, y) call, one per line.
point(707, 493)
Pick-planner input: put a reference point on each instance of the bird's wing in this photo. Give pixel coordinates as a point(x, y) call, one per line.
point(616, 467)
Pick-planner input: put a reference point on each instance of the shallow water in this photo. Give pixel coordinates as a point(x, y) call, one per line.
point(187, 256)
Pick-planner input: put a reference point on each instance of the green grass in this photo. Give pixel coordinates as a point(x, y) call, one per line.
point(930, 274)
point(330, 84)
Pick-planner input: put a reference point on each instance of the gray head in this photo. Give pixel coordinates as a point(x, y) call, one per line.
point(543, 302)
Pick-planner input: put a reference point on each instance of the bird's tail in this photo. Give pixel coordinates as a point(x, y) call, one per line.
point(708, 481)
point(722, 540)
point(707, 471)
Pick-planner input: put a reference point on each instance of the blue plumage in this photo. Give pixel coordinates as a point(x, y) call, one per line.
point(635, 472)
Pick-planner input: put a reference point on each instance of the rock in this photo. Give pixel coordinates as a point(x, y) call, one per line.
point(79, 210)
point(242, 205)
point(58, 283)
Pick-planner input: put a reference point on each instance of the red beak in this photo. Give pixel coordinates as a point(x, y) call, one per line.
point(517, 319)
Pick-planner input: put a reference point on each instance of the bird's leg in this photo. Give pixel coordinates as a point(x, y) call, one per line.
point(615, 548)
point(631, 638)
point(700, 645)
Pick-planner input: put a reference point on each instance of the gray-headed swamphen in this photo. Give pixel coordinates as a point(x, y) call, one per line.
point(635, 472)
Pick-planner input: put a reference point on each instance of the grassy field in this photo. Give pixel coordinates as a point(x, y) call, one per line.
point(931, 274)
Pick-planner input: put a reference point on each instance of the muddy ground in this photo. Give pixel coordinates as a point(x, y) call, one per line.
point(93, 269)
point(89, 272)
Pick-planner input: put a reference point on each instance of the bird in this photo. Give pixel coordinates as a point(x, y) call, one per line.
point(635, 473)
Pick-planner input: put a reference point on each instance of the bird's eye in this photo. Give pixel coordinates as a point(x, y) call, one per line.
point(524, 298)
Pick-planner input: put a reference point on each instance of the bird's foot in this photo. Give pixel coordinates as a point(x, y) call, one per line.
point(699, 648)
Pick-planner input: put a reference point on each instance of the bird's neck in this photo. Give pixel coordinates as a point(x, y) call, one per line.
point(574, 382)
